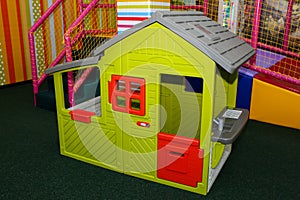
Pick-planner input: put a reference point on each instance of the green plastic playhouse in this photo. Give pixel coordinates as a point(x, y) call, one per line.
point(156, 102)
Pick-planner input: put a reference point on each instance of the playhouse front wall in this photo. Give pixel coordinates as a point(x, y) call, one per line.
point(159, 52)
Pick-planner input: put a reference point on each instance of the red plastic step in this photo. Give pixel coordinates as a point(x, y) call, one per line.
point(82, 115)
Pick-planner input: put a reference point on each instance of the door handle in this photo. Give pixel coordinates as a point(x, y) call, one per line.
point(143, 124)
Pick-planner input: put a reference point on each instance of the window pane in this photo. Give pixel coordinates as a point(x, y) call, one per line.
point(193, 84)
point(121, 85)
point(86, 90)
point(135, 104)
point(121, 101)
point(135, 87)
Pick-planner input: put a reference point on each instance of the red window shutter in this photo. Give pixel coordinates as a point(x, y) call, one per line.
point(127, 94)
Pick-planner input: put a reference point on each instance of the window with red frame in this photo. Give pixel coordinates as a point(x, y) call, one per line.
point(127, 94)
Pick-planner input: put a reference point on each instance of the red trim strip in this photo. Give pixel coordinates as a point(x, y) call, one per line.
point(132, 18)
point(42, 7)
point(9, 51)
point(21, 40)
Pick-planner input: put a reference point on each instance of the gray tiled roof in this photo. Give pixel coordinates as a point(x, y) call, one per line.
point(222, 46)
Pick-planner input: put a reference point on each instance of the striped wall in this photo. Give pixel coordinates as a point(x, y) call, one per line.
point(131, 12)
point(14, 54)
point(16, 18)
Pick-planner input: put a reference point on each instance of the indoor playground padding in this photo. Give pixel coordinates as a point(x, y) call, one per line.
point(246, 76)
point(276, 101)
point(274, 27)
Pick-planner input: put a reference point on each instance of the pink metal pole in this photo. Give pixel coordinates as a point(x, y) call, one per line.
point(288, 25)
point(205, 7)
point(33, 66)
point(255, 28)
point(68, 47)
point(36, 25)
point(79, 82)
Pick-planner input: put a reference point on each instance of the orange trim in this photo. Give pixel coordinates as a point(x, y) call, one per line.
point(15, 40)
point(21, 40)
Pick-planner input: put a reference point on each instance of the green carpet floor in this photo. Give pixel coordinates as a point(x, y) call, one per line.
point(264, 164)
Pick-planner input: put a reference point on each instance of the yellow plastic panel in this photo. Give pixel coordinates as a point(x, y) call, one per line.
point(275, 105)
